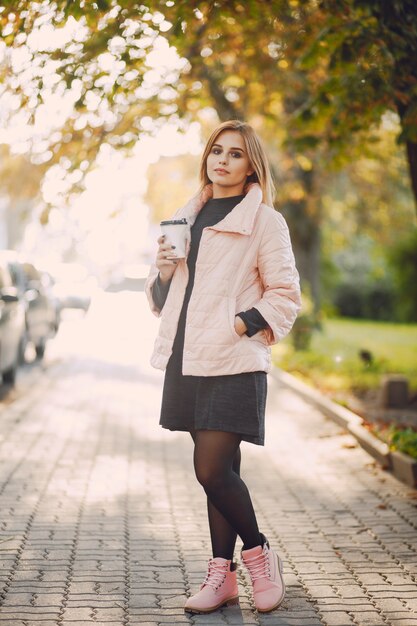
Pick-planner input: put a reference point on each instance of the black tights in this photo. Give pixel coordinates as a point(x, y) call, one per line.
point(230, 510)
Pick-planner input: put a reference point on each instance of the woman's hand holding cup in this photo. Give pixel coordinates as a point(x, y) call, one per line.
point(172, 246)
point(164, 261)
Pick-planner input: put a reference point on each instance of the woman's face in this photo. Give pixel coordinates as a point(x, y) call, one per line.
point(228, 164)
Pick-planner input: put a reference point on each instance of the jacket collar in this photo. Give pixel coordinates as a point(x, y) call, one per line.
point(240, 219)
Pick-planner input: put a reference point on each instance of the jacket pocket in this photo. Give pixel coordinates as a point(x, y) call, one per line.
point(260, 337)
point(232, 314)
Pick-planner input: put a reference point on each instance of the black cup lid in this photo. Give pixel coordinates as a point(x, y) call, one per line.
point(167, 222)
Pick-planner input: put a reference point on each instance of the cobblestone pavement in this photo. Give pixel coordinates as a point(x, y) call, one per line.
point(102, 520)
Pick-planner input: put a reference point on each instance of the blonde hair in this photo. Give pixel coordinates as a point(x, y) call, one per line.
point(257, 158)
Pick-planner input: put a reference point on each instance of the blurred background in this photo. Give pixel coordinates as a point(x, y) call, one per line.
point(104, 110)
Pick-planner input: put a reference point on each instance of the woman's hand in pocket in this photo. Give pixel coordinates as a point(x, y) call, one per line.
point(240, 326)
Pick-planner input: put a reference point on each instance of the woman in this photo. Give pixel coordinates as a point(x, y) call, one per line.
point(235, 294)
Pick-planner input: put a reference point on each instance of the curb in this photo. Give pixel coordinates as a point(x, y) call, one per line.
point(402, 466)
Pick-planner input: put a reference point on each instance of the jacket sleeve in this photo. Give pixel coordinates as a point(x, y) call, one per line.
point(149, 283)
point(253, 320)
point(160, 292)
point(281, 299)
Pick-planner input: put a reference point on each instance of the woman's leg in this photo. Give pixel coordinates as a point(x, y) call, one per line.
point(214, 455)
point(223, 536)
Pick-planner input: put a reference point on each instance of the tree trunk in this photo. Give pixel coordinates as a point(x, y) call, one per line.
point(411, 148)
point(303, 213)
point(304, 221)
point(306, 241)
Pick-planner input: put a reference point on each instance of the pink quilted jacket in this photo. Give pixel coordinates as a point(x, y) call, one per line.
point(244, 261)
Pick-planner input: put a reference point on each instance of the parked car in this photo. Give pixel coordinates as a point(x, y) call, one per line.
point(34, 289)
point(12, 327)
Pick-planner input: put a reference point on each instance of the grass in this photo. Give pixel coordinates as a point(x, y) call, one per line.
point(397, 438)
point(332, 362)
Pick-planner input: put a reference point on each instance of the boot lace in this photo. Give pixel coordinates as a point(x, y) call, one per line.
point(216, 574)
point(258, 566)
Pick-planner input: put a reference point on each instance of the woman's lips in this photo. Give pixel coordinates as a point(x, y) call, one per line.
point(220, 171)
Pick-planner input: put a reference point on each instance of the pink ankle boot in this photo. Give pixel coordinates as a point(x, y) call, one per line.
point(265, 569)
point(219, 588)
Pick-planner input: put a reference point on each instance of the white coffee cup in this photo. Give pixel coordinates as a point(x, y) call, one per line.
point(176, 233)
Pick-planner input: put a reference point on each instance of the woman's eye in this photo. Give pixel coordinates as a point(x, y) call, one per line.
point(216, 151)
point(236, 155)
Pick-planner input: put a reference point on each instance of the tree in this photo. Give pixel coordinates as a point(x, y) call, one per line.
point(260, 61)
point(367, 51)
point(229, 57)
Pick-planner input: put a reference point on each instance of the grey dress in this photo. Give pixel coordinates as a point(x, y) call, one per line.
point(233, 403)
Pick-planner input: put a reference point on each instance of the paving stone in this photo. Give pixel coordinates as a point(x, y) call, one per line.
point(367, 618)
point(389, 604)
point(83, 623)
point(287, 621)
point(78, 613)
point(142, 623)
point(336, 618)
point(108, 614)
point(33, 620)
point(401, 594)
point(28, 613)
point(141, 601)
point(350, 591)
point(94, 601)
